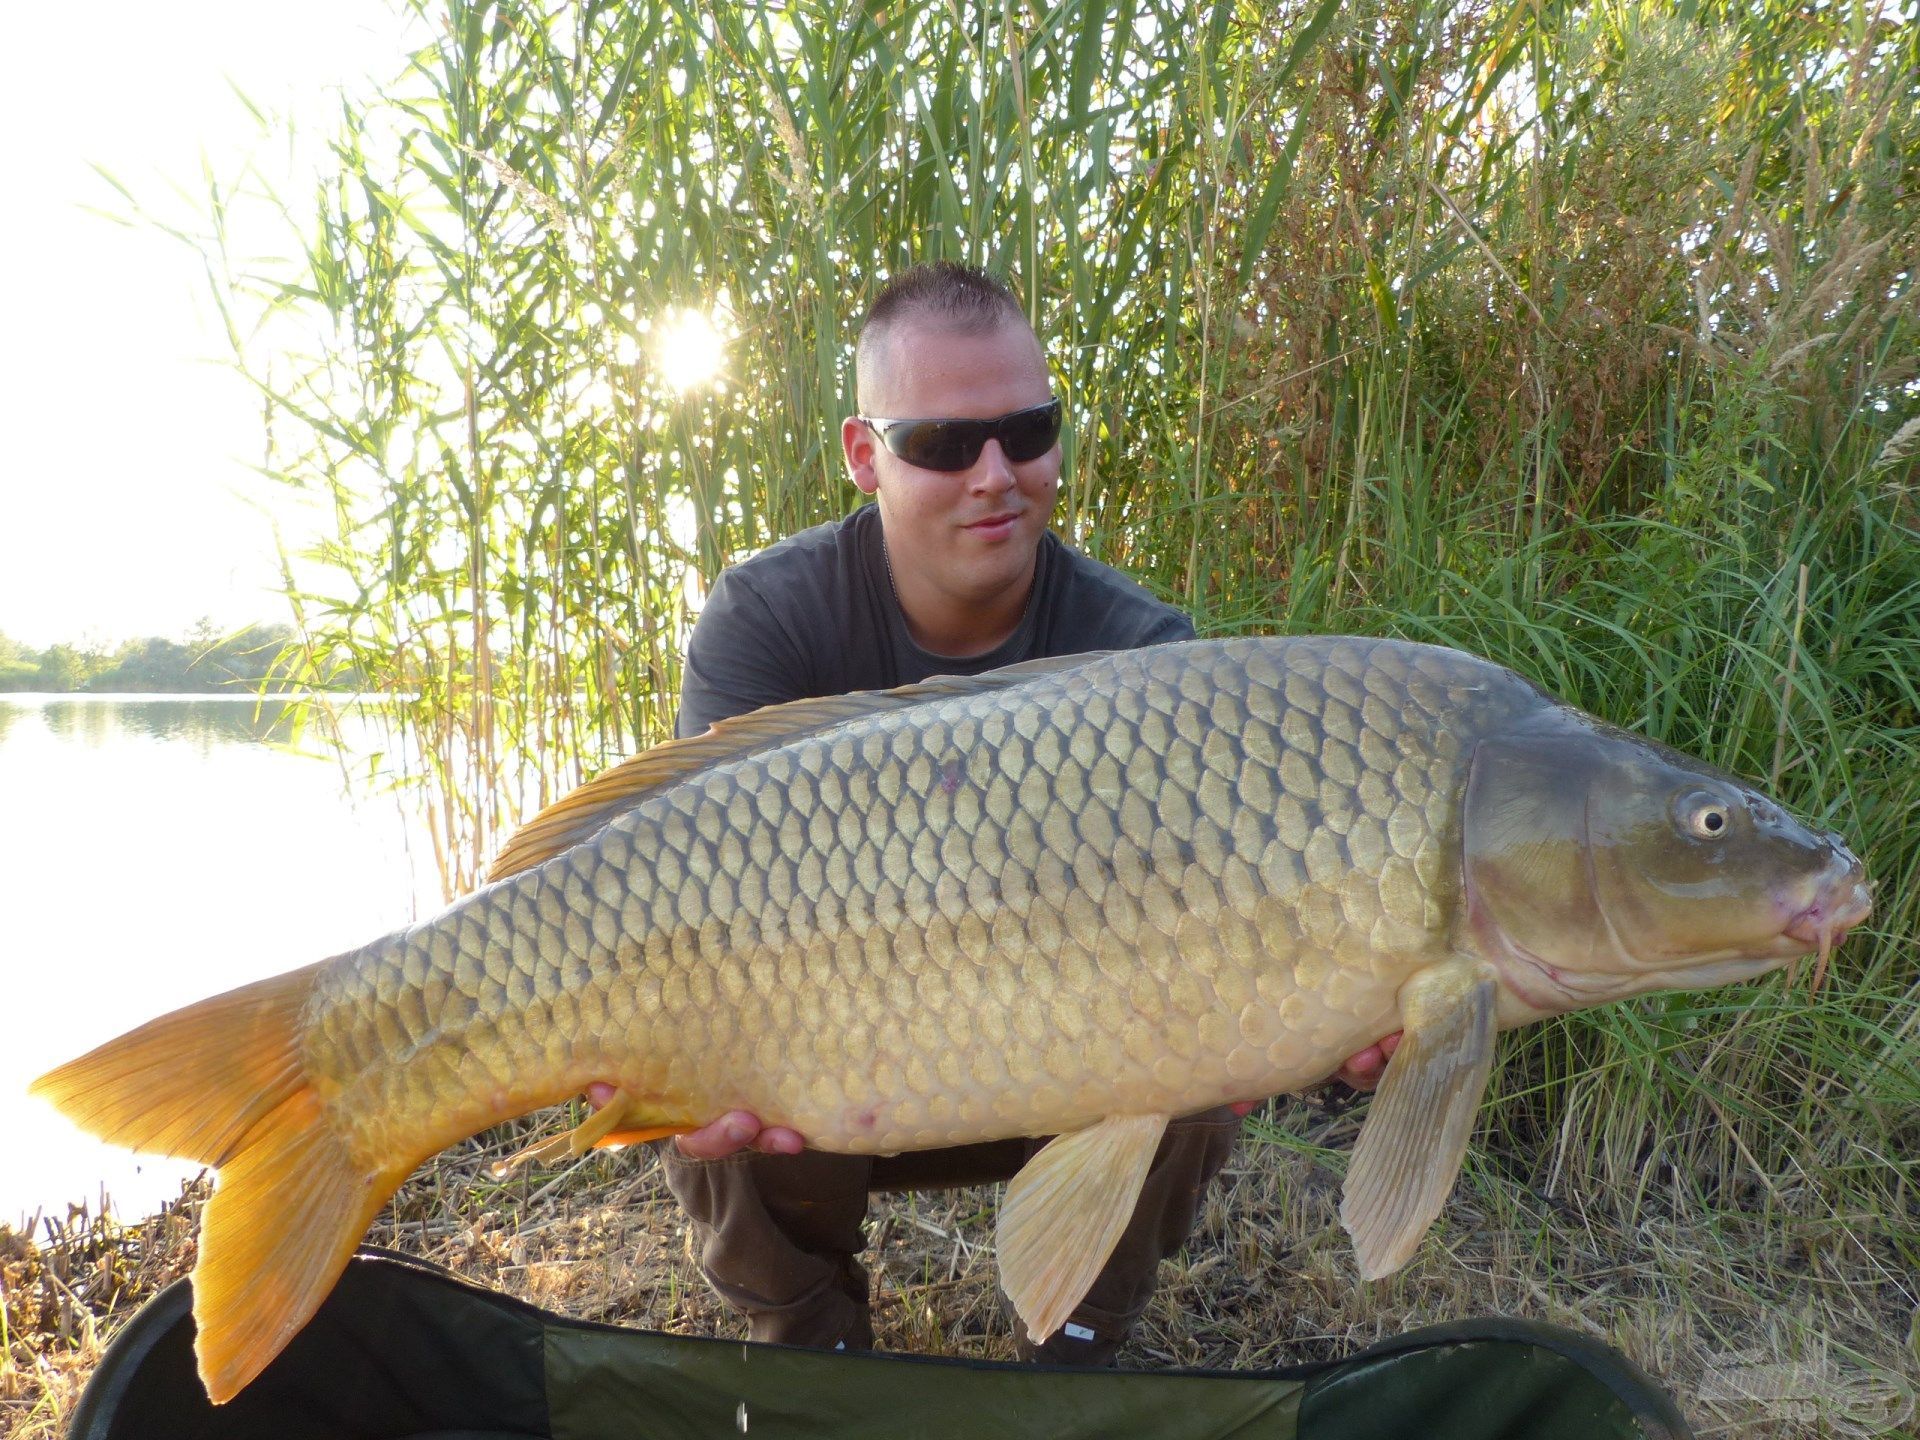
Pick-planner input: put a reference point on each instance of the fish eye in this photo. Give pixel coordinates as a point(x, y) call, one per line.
point(1704, 817)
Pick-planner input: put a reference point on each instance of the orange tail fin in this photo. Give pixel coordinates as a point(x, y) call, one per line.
point(221, 1082)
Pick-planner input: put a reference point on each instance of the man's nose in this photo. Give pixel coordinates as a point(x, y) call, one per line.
point(994, 472)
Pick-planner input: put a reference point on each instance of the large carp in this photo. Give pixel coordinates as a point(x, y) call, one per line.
point(1075, 897)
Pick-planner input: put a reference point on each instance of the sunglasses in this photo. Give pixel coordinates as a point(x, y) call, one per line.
point(956, 444)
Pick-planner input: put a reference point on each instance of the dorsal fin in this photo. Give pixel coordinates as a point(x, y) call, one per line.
point(581, 814)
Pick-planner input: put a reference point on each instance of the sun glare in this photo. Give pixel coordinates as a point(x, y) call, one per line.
point(688, 349)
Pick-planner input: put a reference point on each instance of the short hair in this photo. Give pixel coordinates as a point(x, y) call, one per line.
point(962, 297)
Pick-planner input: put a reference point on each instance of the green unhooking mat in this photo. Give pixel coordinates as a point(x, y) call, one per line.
point(402, 1349)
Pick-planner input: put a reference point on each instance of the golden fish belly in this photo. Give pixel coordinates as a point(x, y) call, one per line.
point(1154, 882)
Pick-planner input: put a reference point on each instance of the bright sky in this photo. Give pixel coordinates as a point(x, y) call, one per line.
point(124, 494)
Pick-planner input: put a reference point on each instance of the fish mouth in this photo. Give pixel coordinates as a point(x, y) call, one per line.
point(1839, 908)
point(1843, 902)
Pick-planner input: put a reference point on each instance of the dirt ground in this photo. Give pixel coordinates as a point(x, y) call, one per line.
point(1755, 1329)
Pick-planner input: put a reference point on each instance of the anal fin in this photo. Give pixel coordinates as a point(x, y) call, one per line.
point(1065, 1211)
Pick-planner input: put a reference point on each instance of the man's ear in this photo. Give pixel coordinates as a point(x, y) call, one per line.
point(859, 445)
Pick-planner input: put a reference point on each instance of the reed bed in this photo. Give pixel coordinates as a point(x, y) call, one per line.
point(1581, 336)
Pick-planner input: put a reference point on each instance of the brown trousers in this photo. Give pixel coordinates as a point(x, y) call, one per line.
point(779, 1233)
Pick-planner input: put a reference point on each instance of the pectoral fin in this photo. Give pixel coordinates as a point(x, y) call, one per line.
point(1065, 1211)
point(1416, 1133)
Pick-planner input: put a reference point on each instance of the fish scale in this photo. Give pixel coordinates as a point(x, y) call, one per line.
point(1073, 898)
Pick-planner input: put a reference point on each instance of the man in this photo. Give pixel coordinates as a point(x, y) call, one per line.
point(951, 571)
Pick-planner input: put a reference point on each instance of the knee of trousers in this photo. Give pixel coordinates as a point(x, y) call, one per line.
point(774, 1229)
point(1193, 1152)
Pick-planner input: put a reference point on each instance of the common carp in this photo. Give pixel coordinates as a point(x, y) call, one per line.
point(1075, 897)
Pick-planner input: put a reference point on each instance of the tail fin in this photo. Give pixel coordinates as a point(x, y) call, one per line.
point(221, 1082)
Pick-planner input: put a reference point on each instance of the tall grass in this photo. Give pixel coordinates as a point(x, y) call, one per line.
point(1578, 335)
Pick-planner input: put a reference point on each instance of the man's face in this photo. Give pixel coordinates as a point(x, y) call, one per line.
point(971, 533)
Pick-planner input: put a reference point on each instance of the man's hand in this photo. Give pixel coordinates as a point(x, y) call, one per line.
point(736, 1130)
point(1362, 1070)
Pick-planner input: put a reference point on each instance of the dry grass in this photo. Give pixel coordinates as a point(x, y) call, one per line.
point(63, 1296)
point(1754, 1328)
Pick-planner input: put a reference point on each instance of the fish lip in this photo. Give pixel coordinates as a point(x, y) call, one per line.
point(1841, 904)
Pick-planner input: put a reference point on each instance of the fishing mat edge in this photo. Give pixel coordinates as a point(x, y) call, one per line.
point(403, 1350)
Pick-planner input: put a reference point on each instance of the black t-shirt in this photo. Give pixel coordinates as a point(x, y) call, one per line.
point(816, 615)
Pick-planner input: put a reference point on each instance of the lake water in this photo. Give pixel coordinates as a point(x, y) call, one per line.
point(154, 851)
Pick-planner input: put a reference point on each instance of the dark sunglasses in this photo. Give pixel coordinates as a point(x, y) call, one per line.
point(956, 444)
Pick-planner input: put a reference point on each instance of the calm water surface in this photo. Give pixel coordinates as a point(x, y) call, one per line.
point(154, 851)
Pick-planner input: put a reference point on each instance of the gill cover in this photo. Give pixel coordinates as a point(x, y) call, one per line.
point(1524, 845)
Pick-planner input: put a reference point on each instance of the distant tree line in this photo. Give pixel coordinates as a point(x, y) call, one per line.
point(202, 661)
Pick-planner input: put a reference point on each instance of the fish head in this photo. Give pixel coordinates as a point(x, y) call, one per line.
point(1599, 864)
